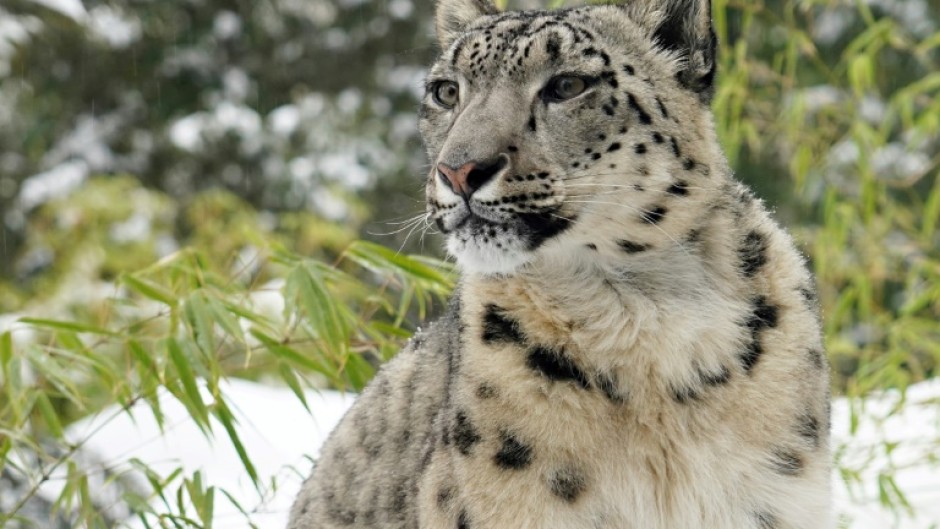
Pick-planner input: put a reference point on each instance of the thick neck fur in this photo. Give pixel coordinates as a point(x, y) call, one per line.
point(655, 318)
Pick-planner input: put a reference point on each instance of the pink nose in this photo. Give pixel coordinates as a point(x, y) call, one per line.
point(458, 179)
point(471, 176)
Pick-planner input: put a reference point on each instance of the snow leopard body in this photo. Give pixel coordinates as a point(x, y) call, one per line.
point(633, 344)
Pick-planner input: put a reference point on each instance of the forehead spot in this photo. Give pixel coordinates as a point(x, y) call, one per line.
point(505, 42)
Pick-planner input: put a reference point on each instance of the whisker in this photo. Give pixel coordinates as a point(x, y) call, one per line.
point(638, 210)
point(652, 176)
point(410, 223)
point(408, 236)
point(601, 184)
point(577, 176)
point(409, 220)
point(399, 220)
point(587, 193)
point(557, 216)
point(428, 226)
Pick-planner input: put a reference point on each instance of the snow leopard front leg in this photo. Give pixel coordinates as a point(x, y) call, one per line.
point(368, 473)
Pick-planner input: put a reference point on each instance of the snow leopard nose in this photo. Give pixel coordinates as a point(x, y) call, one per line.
point(469, 177)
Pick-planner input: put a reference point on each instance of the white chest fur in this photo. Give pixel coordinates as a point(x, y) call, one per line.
point(620, 411)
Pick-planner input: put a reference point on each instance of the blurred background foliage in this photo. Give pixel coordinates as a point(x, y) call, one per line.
point(186, 188)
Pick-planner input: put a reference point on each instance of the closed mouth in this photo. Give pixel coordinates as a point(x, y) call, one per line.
point(533, 229)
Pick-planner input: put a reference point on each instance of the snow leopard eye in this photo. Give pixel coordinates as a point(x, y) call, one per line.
point(445, 93)
point(564, 87)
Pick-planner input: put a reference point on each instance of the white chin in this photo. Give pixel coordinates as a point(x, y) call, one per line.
point(486, 259)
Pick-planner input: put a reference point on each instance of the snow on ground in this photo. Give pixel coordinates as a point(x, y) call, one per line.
point(911, 454)
point(281, 437)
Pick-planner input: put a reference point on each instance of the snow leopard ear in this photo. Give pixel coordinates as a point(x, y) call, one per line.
point(454, 16)
point(683, 26)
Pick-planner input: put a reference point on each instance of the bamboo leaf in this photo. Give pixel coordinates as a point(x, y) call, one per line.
point(384, 261)
point(222, 412)
point(6, 353)
point(358, 372)
point(5, 445)
point(143, 357)
point(932, 210)
point(150, 290)
point(305, 284)
point(287, 353)
point(49, 415)
point(192, 399)
point(199, 317)
point(62, 379)
point(67, 326)
point(201, 498)
point(225, 319)
point(290, 378)
point(390, 330)
point(242, 312)
point(238, 506)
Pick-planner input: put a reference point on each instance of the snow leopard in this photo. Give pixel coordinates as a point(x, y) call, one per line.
point(633, 342)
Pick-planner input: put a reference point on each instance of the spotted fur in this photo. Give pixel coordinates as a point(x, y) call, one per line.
point(634, 342)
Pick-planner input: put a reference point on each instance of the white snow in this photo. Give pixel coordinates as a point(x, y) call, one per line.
point(281, 437)
point(56, 182)
point(114, 26)
point(74, 9)
point(896, 161)
point(344, 167)
point(349, 101)
point(238, 118)
point(284, 119)
point(136, 228)
point(90, 140)
point(22, 334)
point(302, 168)
point(237, 85)
point(913, 440)
point(328, 205)
point(14, 31)
point(400, 8)
point(186, 132)
point(278, 433)
point(406, 79)
point(227, 25)
point(194, 131)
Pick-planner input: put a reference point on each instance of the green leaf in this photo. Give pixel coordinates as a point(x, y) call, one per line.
point(6, 353)
point(242, 312)
point(150, 290)
point(151, 378)
point(358, 372)
point(290, 378)
point(225, 319)
point(202, 499)
point(222, 412)
point(287, 353)
point(383, 261)
point(13, 384)
point(143, 356)
point(67, 326)
point(931, 216)
point(49, 415)
point(193, 399)
point(61, 377)
point(238, 506)
point(199, 317)
point(5, 445)
point(390, 330)
point(71, 341)
point(305, 284)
